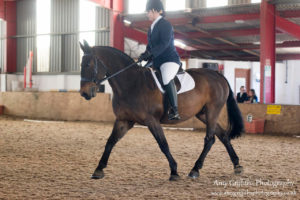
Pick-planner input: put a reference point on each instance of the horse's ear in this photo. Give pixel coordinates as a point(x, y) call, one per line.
point(86, 44)
point(85, 47)
point(81, 46)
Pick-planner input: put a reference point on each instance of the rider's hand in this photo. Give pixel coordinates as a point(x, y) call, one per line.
point(145, 56)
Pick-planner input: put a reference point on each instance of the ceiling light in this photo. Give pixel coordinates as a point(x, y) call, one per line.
point(239, 21)
point(277, 42)
point(188, 10)
point(127, 22)
point(179, 44)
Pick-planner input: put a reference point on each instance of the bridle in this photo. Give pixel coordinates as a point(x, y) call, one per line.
point(95, 79)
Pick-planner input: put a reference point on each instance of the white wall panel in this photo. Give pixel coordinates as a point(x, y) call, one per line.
point(2, 45)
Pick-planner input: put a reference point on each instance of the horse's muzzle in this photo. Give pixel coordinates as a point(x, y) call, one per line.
point(86, 96)
point(91, 94)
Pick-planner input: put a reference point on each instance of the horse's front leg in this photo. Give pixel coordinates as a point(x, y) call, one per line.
point(157, 131)
point(119, 130)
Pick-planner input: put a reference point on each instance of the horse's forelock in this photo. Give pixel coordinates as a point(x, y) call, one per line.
point(86, 59)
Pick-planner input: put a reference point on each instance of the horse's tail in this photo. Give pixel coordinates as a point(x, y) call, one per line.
point(235, 119)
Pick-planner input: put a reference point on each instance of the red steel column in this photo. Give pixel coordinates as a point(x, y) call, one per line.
point(10, 16)
point(1, 9)
point(117, 30)
point(267, 52)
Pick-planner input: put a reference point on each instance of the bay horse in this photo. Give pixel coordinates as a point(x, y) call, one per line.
point(137, 99)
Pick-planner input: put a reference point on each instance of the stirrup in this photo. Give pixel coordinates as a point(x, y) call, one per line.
point(173, 115)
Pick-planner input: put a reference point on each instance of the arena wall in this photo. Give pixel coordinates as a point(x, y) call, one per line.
point(70, 106)
point(57, 106)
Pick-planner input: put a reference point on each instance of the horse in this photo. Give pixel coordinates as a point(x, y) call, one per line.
point(137, 99)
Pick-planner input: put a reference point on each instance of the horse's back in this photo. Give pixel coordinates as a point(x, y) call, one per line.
point(211, 84)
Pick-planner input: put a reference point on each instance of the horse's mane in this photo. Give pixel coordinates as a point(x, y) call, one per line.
point(146, 75)
point(126, 57)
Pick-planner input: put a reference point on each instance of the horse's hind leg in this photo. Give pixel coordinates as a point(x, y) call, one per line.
point(223, 137)
point(157, 131)
point(209, 140)
point(119, 130)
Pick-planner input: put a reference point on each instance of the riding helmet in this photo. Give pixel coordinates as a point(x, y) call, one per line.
point(155, 5)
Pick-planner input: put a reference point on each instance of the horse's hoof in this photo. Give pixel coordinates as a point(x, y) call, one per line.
point(98, 174)
point(238, 169)
point(194, 174)
point(174, 177)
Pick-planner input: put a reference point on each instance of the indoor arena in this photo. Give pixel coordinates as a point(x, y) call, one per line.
point(149, 99)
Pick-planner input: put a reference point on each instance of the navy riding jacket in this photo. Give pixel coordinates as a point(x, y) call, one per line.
point(161, 43)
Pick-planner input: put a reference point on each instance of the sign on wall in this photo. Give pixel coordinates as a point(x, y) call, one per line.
point(274, 109)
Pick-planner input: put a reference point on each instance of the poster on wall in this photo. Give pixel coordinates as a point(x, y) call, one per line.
point(267, 84)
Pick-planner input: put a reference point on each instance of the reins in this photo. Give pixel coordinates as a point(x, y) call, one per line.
point(98, 82)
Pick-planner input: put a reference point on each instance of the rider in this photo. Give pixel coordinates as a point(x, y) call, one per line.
point(161, 49)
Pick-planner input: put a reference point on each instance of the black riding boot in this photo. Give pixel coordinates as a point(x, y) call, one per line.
point(172, 96)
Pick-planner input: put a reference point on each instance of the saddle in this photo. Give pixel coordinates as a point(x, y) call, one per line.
point(159, 76)
point(183, 80)
point(176, 80)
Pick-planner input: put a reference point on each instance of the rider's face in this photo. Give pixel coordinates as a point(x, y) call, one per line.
point(242, 89)
point(152, 15)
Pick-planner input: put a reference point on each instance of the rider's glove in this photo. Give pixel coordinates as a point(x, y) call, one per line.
point(145, 56)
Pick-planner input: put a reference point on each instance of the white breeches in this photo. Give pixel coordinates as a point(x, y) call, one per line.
point(168, 71)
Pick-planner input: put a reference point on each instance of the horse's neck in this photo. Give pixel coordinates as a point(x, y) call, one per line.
point(124, 82)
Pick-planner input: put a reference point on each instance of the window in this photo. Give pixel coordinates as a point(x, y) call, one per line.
point(43, 39)
point(216, 3)
point(87, 21)
point(136, 6)
point(172, 5)
point(255, 1)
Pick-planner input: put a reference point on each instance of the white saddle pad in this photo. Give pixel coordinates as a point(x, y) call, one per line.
point(186, 80)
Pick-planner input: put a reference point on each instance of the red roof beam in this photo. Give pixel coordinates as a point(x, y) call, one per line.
point(224, 33)
point(289, 13)
point(247, 16)
point(288, 57)
point(141, 37)
point(104, 3)
point(204, 19)
point(174, 22)
point(227, 18)
point(288, 27)
point(286, 44)
point(135, 35)
point(219, 18)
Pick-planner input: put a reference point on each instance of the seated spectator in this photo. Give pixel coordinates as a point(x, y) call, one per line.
point(242, 95)
point(252, 98)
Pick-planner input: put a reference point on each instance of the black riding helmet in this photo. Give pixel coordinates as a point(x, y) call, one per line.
point(155, 5)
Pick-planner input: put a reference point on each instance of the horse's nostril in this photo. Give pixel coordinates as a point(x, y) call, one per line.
point(86, 96)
